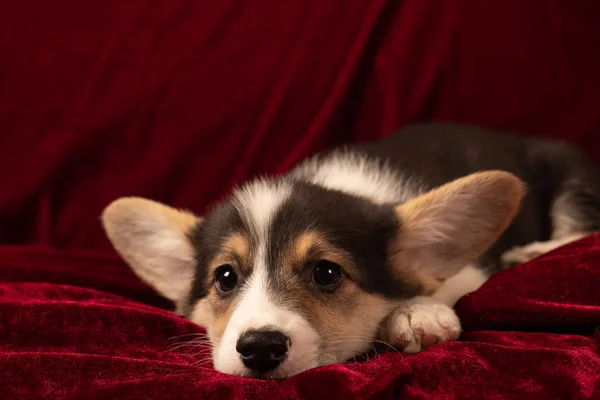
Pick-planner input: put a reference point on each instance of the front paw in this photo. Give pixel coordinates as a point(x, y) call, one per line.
point(420, 324)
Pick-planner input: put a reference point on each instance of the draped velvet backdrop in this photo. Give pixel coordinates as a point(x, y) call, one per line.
point(179, 100)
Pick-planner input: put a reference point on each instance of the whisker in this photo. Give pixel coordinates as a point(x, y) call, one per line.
point(197, 341)
point(389, 346)
point(338, 339)
point(187, 335)
point(194, 343)
point(201, 363)
point(203, 351)
point(178, 347)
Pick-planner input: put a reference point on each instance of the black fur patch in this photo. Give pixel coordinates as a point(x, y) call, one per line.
point(353, 224)
point(440, 153)
point(207, 239)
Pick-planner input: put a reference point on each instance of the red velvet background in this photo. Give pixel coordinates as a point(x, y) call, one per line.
point(179, 100)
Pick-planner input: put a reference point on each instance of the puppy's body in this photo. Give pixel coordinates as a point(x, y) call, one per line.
point(563, 185)
point(374, 241)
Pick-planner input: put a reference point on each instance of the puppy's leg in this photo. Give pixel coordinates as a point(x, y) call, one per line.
point(520, 255)
point(575, 207)
point(574, 215)
point(423, 321)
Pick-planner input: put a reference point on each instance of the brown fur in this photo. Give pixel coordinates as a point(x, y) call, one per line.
point(236, 250)
point(339, 316)
point(313, 246)
point(215, 309)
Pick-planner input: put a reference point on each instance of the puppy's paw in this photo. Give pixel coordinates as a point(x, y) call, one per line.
point(520, 255)
point(420, 324)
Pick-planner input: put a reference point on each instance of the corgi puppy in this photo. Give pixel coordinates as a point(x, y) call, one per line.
point(371, 242)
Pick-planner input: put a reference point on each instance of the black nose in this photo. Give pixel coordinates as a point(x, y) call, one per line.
point(262, 350)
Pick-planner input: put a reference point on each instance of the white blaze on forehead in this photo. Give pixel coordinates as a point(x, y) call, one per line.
point(258, 201)
point(256, 308)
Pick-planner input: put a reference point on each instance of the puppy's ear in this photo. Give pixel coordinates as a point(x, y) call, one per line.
point(153, 239)
point(445, 229)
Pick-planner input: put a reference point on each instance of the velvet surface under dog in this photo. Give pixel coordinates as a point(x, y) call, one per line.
point(97, 332)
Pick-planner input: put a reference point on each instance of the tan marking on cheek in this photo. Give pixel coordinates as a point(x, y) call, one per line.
point(222, 316)
point(327, 312)
point(322, 316)
point(346, 321)
point(213, 313)
point(202, 314)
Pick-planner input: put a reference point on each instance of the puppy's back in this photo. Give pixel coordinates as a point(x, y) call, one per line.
point(425, 156)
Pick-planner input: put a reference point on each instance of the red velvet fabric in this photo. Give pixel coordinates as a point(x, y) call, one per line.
point(97, 332)
point(180, 100)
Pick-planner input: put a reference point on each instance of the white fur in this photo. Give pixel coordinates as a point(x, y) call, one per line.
point(565, 217)
point(421, 322)
point(258, 202)
point(566, 228)
point(357, 175)
point(467, 280)
point(519, 255)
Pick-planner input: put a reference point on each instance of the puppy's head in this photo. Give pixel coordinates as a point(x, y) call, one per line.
point(286, 276)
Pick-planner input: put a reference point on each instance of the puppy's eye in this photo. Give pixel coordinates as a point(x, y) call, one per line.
point(327, 274)
point(225, 277)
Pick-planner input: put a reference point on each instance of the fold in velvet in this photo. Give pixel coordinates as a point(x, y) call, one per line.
point(98, 332)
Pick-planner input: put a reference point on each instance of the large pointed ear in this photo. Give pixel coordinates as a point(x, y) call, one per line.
point(153, 239)
point(453, 225)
